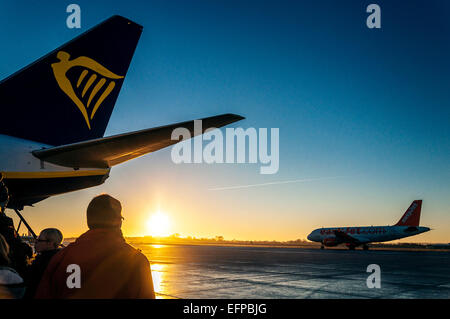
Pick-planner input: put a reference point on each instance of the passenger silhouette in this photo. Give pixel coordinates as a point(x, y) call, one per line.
point(105, 266)
point(11, 283)
point(46, 246)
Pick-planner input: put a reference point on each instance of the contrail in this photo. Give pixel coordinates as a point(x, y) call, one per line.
point(276, 183)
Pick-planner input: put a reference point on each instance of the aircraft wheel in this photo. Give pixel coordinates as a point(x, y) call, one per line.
point(351, 247)
point(322, 247)
point(365, 247)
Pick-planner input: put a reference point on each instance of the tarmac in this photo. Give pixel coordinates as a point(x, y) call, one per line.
point(185, 271)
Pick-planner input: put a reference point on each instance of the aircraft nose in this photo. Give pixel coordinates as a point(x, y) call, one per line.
point(310, 237)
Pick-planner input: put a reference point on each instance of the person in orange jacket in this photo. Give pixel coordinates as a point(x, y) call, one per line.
point(99, 264)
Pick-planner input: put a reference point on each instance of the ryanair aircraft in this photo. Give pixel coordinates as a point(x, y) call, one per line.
point(54, 113)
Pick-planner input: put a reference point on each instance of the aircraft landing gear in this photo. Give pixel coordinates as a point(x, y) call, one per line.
point(365, 247)
point(351, 247)
point(322, 247)
point(22, 220)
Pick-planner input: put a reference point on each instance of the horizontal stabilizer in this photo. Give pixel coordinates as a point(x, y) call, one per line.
point(109, 151)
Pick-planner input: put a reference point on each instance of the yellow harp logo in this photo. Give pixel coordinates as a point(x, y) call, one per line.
point(60, 69)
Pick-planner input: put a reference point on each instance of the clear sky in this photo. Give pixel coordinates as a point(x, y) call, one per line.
point(368, 108)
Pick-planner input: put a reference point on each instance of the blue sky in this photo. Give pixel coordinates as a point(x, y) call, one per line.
point(370, 106)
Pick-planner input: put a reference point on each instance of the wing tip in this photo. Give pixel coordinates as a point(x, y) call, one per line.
point(235, 117)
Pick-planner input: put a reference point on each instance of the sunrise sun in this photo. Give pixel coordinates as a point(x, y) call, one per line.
point(158, 225)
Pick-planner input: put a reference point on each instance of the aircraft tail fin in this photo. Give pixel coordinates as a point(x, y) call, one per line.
point(68, 95)
point(412, 215)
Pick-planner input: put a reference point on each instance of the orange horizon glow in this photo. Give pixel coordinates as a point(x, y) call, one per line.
point(192, 211)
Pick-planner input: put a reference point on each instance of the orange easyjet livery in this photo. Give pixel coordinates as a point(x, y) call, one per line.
point(407, 226)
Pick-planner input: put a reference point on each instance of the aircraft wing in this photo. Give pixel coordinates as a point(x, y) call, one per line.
point(345, 238)
point(109, 151)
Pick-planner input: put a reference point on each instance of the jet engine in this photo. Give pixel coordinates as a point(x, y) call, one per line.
point(330, 242)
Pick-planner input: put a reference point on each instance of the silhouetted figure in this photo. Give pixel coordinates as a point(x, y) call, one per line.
point(11, 284)
point(108, 266)
point(47, 245)
point(19, 251)
point(4, 195)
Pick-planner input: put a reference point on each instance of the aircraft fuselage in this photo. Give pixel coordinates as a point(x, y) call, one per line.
point(30, 180)
point(365, 234)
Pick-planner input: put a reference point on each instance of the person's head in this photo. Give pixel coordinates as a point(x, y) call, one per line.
point(4, 196)
point(4, 252)
point(49, 239)
point(104, 211)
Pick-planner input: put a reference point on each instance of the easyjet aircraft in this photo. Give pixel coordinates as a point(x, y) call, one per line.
point(54, 113)
point(407, 226)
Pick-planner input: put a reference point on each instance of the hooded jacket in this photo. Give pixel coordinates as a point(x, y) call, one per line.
point(109, 268)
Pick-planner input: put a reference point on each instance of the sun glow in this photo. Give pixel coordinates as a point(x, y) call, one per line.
point(158, 274)
point(158, 225)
